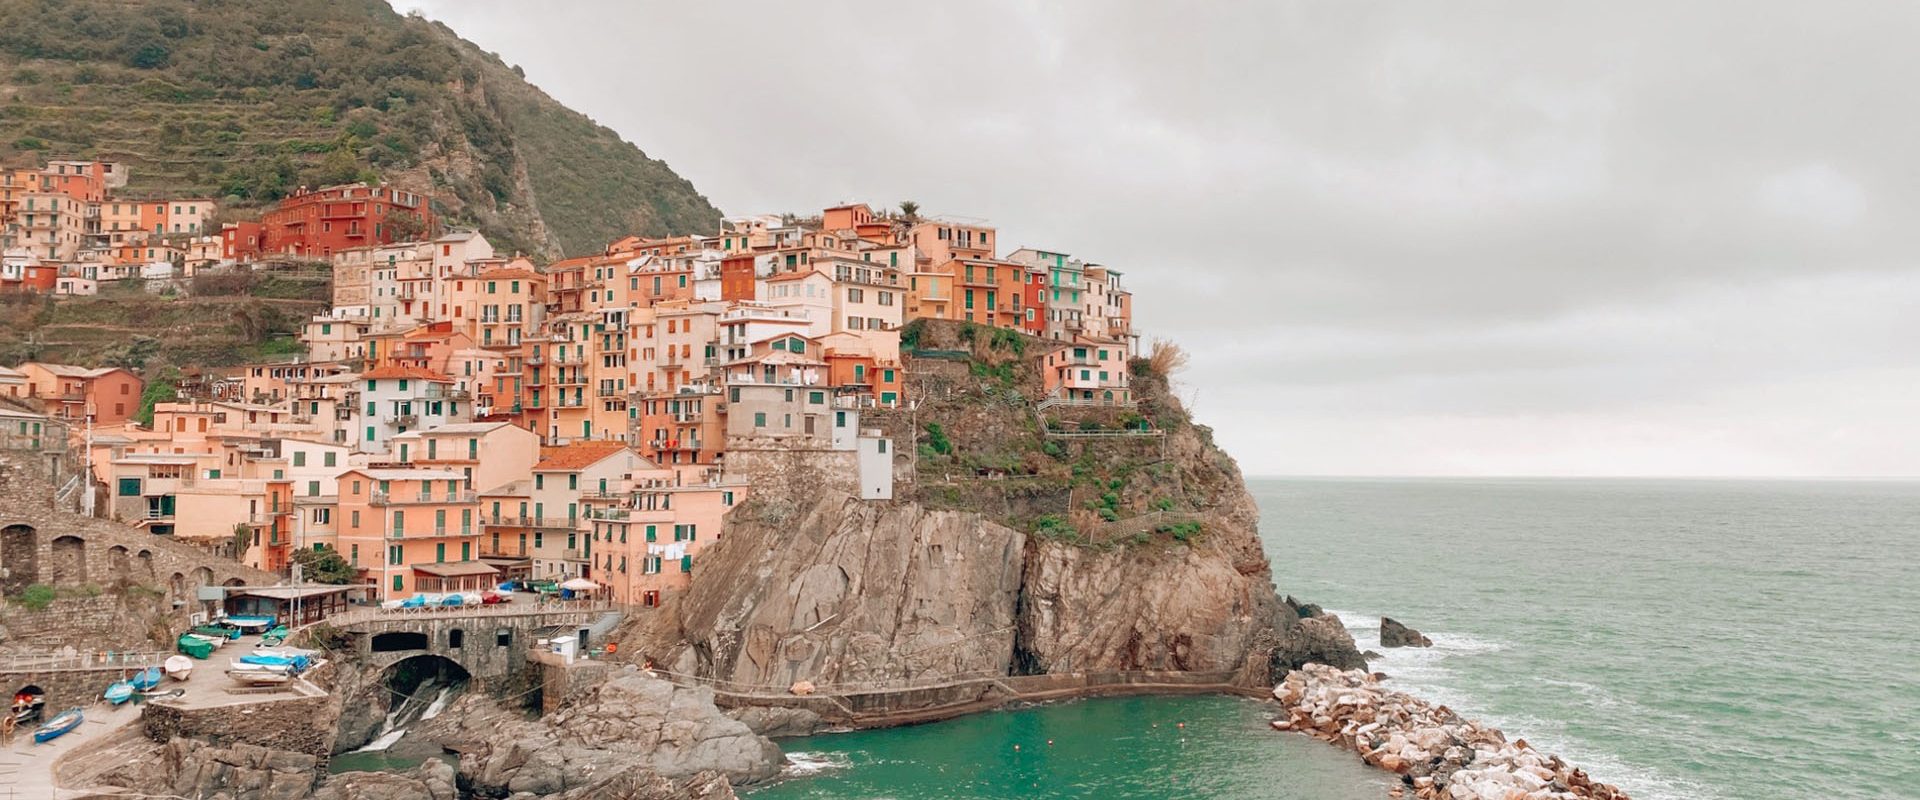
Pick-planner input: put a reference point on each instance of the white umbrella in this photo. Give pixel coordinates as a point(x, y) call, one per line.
point(580, 585)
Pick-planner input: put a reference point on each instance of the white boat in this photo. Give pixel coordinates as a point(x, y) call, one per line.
point(179, 668)
point(259, 674)
point(216, 641)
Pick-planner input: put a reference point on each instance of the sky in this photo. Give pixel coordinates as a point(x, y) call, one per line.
point(1417, 238)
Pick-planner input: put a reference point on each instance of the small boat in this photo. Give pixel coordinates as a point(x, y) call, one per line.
point(274, 636)
point(66, 721)
point(119, 692)
point(180, 668)
point(197, 646)
point(217, 630)
point(145, 679)
point(249, 624)
point(259, 675)
point(296, 663)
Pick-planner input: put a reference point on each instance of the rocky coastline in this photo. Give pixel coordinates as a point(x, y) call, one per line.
point(1439, 754)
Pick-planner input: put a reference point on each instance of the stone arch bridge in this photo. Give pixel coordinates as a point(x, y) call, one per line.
point(490, 642)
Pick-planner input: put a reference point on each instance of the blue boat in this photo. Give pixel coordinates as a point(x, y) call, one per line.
point(297, 663)
point(119, 692)
point(66, 721)
point(146, 679)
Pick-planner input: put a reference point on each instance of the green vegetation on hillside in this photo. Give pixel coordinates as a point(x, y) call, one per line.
point(227, 320)
point(250, 99)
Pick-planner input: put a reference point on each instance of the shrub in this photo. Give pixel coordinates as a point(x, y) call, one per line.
point(937, 439)
point(37, 597)
point(1181, 531)
point(1163, 504)
point(1167, 358)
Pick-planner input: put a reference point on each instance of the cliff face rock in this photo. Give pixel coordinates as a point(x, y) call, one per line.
point(194, 768)
point(1013, 547)
point(837, 591)
point(633, 725)
point(432, 780)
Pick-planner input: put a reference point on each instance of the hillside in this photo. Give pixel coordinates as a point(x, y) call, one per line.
point(249, 99)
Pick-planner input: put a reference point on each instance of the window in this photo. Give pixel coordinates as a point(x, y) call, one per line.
point(313, 488)
point(299, 458)
point(398, 582)
point(759, 419)
point(328, 459)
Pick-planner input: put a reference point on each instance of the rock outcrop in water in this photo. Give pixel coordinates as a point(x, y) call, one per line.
point(633, 728)
point(1394, 634)
point(1441, 755)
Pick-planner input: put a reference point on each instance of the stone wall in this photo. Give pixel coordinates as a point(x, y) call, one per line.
point(796, 469)
point(99, 623)
point(40, 544)
point(300, 724)
point(64, 688)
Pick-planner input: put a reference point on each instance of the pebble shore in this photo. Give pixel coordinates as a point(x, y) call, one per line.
point(1439, 754)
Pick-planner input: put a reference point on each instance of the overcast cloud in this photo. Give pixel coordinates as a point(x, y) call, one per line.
point(1416, 238)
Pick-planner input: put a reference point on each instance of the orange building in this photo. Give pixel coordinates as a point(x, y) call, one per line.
point(110, 394)
point(412, 530)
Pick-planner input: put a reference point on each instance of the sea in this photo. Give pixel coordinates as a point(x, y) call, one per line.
point(1681, 639)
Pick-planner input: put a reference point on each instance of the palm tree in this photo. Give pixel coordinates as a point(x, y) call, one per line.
point(909, 210)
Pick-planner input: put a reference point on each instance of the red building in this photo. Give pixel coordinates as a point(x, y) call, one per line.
point(240, 241)
point(322, 222)
point(736, 277)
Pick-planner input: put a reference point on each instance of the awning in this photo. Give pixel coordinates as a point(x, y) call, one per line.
point(506, 562)
point(455, 569)
point(288, 592)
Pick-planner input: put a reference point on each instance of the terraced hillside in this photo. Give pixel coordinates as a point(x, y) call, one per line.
point(249, 99)
point(240, 319)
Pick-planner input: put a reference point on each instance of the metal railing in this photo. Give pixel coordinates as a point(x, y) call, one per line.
point(80, 661)
point(385, 499)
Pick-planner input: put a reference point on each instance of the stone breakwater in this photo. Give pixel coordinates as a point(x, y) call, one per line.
point(1438, 753)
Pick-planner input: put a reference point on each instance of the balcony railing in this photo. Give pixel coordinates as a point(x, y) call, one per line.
point(386, 499)
point(405, 420)
point(516, 521)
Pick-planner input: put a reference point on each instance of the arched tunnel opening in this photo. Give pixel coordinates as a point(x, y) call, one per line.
point(410, 692)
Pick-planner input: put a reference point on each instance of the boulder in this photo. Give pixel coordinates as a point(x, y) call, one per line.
point(633, 727)
point(776, 723)
point(1394, 634)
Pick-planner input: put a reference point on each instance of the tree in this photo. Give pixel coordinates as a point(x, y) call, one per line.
point(405, 226)
point(161, 388)
point(323, 564)
point(909, 210)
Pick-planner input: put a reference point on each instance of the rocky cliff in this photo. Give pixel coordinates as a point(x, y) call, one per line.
point(1010, 551)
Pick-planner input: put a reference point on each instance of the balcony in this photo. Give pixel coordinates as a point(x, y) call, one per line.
point(386, 499)
point(405, 420)
point(610, 392)
point(343, 413)
point(515, 521)
point(612, 514)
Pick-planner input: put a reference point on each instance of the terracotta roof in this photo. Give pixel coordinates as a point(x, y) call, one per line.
point(405, 372)
point(508, 272)
point(797, 275)
point(577, 455)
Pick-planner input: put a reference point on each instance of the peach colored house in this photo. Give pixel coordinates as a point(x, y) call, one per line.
point(647, 537)
point(1087, 372)
point(412, 530)
point(110, 394)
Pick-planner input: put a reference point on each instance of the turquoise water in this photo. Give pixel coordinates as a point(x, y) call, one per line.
point(1696, 640)
point(1705, 640)
point(1129, 748)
